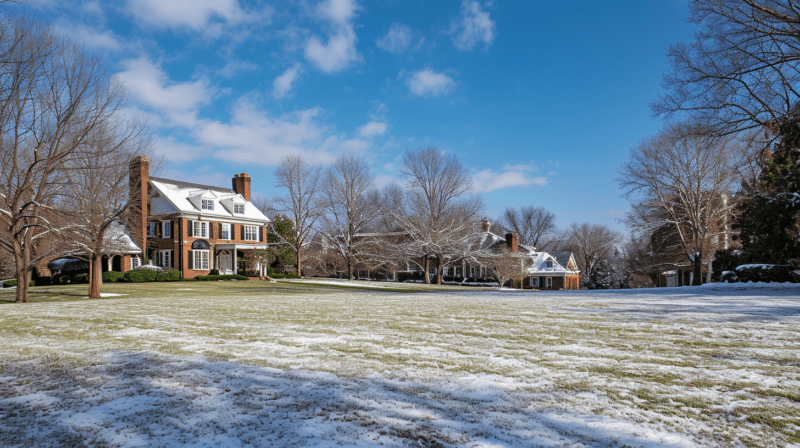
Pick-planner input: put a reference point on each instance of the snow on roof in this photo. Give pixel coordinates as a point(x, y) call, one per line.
point(184, 197)
point(490, 242)
point(117, 240)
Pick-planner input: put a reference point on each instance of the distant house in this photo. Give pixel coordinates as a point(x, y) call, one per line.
point(549, 270)
point(194, 228)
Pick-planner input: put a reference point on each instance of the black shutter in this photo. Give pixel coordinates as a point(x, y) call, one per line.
point(260, 234)
point(241, 231)
point(191, 260)
point(189, 228)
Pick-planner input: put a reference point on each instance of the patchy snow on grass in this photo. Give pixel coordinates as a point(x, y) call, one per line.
point(259, 364)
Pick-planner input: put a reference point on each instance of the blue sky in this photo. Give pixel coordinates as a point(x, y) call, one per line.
point(541, 101)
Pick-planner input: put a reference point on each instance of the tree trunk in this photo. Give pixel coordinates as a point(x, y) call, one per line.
point(299, 250)
point(697, 279)
point(425, 264)
point(349, 268)
point(95, 276)
point(438, 269)
point(22, 278)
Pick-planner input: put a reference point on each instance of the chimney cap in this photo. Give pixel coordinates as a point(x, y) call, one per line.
point(241, 175)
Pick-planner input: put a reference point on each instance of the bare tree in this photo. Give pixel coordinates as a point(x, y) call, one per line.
point(52, 98)
point(591, 244)
point(742, 69)
point(440, 211)
point(508, 265)
point(96, 197)
point(531, 224)
point(678, 182)
point(301, 202)
point(350, 207)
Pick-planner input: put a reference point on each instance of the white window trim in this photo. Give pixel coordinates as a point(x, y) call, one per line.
point(535, 282)
point(549, 282)
point(236, 209)
point(166, 229)
point(251, 233)
point(225, 228)
point(202, 226)
point(163, 255)
point(207, 205)
point(201, 260)
point(135, 261)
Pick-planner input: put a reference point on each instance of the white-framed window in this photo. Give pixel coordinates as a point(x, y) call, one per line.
point(200, 260)
point(200, 229)
point(151, 229)
point(165, 258)
point(535, 282)
point(549, 264)
point(225, 233)
point(135, 261)
point(238, 209)
point(549, 282)
point(251, 233)
point(207, 204)
point(472, 271)
point(166, 229)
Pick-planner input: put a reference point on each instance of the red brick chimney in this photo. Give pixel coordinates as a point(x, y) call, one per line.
point(241, 185)
point(511, 242)
point(138, 175)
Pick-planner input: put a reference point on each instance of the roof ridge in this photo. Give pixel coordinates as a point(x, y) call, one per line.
point(181, 183)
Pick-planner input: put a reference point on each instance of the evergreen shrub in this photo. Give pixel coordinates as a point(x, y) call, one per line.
point(140, 276)
point(10, 283)
point(170, 275)
point(81, 278)
point(211, 278)
point(112, 276)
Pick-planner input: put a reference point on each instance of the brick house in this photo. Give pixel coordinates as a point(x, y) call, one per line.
point(553, 270)
point(194, 228)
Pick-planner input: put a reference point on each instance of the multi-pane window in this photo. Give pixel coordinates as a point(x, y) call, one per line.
point(166, 229)
point(165, 258)
point(238, 208)
point(549, 282)
point(549, 264)
point(251, 233)
point(472, 271)
point(535, 282)
point(200, 229)
point(200, 260)
point(151, 229)
point(135, 262)
point(225, 233)
point(208, 204)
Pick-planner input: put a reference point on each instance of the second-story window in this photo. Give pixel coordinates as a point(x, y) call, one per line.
point(238, 209)
point(166, 229)
point(151, 229)
point(549, 264)
point(208, 204)
point(225, 233)
point(200, 229)
point(251, 233)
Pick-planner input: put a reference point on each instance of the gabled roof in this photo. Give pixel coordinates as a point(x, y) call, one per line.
point(562, 256)
point(171, 196)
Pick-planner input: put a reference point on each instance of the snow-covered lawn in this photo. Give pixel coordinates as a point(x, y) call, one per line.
point(292, 364)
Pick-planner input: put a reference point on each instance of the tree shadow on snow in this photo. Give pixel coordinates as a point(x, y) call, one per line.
point(144, 399)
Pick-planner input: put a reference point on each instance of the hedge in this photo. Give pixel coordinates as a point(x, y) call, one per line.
point(170, 275)
point(404, 276)
point(289, 275)
point(81, 278)
point(112, 276)
point(210, 278)
point(762, 273)
point(140, 276)
point(10, 283)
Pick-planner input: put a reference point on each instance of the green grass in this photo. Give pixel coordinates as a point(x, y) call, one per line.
point(686, 370)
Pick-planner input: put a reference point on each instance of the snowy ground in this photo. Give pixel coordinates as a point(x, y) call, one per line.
point(254, 364)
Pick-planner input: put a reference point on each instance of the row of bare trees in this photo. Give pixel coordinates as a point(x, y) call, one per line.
point(344, 224)
point(64, 147)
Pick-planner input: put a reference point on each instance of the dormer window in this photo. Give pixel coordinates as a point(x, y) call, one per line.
point(208, 204)
point(549, 264)
point(238, 209)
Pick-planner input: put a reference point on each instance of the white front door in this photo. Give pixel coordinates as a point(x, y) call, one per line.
point(224, 262)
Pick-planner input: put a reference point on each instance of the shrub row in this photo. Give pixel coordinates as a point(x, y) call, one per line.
point(289, 275)
point(10, 283)
point(148, 275)
point(762, 273)
point(211, 278)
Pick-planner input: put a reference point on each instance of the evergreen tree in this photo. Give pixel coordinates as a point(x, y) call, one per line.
point(768, 218)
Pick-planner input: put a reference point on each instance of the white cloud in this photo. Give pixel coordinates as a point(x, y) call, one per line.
point(397, 40)
point(340, 49)
point(283, 83)
point(428, 83)
point(176, 151)
point(489, 180)
point(253, 136)
point(192, 14)
point(520, 167)
point(150, 86)
point(90, 37)
point(472, 26)
point(382, 180)
point(372, 129)
point(233, 67)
